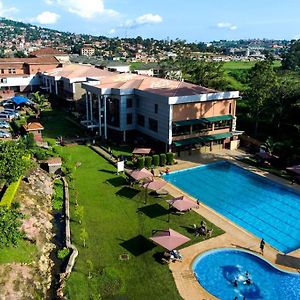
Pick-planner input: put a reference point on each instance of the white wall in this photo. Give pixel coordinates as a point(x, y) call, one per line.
point(21, 81)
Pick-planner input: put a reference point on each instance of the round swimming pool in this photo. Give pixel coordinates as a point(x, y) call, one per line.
point(222, 273)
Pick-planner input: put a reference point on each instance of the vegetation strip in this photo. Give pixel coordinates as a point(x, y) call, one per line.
point(10, 193)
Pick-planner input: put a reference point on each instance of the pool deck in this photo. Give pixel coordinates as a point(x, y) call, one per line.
point(234, 236)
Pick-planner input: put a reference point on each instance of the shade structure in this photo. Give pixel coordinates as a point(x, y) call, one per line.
point(155, 184)
point(20, 100)
point(140, 174)
point(182, 203)
point(295, 169)
point(141, 151)
point(169, 239)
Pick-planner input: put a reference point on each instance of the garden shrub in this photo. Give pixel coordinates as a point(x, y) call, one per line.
point(170, 158)
point(148, 162)
point(155, 160)
point(63, 253)
point(58, 197)
point(162, 159)
point(10, 193)
point(140, 162)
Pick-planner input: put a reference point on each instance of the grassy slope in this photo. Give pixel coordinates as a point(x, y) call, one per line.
point(111, 219)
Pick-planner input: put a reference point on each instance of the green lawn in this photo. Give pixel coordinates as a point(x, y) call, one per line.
point(56, 124)
point(244, 65)
point(117, 222)
point(23, 253)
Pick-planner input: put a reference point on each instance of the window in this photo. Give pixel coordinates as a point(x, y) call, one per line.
point(129, 119)
point(153, 125)
point(137, 102)
point(141, 120)
point(2, 71)
point(156, 108)
point(3, 80)
point(129, 103)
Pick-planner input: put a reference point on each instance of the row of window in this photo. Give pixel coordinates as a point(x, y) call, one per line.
point(129, 104)
point(152, 124)
point(10, 71)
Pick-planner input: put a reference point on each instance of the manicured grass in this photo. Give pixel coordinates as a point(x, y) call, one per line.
point(56, 124)
point(118, 222)
point(23, 253)
point(240, 65)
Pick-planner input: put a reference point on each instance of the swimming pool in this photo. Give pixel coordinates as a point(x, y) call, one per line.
point(261, 206)
point(216, 271)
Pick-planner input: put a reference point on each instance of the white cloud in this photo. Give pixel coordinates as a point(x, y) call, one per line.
point(226, 25)
point(142, 20)
point(112, 31)
point(7, 11)
point(46, 17)
point(87, 9)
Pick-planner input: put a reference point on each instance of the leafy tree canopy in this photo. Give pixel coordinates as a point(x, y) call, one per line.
point(12, 162)
point(10, 222)
point(291, 60)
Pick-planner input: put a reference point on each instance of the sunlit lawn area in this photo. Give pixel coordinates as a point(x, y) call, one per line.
point(118, 222)
point(25, 252)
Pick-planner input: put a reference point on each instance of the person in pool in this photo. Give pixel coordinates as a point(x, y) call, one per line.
point(235, 283)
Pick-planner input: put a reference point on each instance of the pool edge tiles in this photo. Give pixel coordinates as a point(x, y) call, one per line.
point(237, 194)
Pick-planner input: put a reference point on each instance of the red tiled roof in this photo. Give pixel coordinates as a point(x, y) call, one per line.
point(33, 126)
point(164, 87)
point(47, 51)
point(54, 161)
point(29, 60)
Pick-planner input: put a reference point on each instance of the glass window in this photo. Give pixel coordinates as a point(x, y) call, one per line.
point(141, 120)
point(137, 102)
point(2, 71)
point(129, 119)
point(113, 112)
point(128, 102)
point(153, 125)
point(156, 108)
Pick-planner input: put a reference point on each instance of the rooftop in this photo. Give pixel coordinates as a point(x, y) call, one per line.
point(33, 126)
point(79, 71)
point(47, 51)
point(163, 87)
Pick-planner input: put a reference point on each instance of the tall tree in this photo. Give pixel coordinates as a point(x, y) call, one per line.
point(291, 60)
point(263, 86)
point(12, 161)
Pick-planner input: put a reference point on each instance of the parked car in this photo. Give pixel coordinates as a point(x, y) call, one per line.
point(11, 112)
point(7, 102)
point(4, 124)
point(4, 134)
point(6, 116)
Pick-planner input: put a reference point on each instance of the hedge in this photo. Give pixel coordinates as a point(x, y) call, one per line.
point(162, 159)
point(148, 162)
point(170, 158)
point(140, 162)
point(155, 160)
point(10, 193)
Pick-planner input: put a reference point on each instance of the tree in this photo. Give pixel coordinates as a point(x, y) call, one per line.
point(90, 268)
point(263, 86)
point(12, 161)
point(40, 99)
point(10, 224)
point(83, 236)
point(207, 74)
point(79, 213)
point(291, 60)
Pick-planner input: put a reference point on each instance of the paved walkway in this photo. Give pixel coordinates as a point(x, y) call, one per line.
point(234, 237)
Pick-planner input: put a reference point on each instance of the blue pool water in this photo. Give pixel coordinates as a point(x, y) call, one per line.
point(217, 269)
point(261, 206)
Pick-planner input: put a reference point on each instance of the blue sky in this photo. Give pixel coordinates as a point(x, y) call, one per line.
point(192, 20)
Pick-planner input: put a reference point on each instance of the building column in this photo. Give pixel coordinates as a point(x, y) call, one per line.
point(99, 115)
point(170, 137)
point(56, 88)
point(91, 106)
point(50, 86)
point(124, 136)
point(105, 119)
point(87, 106)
